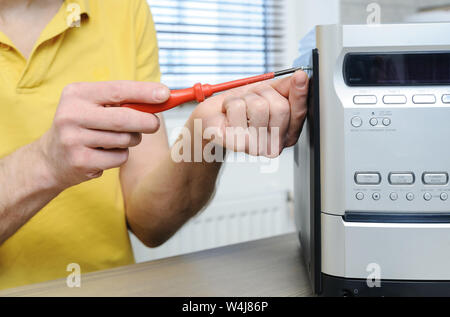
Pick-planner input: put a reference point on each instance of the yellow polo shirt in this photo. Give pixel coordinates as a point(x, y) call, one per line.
point(85, 224)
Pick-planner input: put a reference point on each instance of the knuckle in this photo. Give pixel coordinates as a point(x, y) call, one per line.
point(260, 104)
point(263, 87)
point(63, 120)
point(240, 105)
point(236, 104)
point(68, 139)
point(116, 94)
point(72, 90)
point(283, 107)
point(78, 159)
point(118, 123)
point(60, 121)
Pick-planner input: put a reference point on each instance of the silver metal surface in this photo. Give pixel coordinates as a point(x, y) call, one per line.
point(408, 137)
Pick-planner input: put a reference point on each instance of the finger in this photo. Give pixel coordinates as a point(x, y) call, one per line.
point(236, 124)
point(257, 110)
point(279, 116)
point(258, 120)
point(298, 95)
point(107, 159)
point(119, 120)
point(279, 110)
point(110, 140)
point(236, 111)
point(119, 92)
point(282, 85)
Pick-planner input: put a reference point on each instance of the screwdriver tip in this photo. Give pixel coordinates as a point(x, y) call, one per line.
point(292, 70)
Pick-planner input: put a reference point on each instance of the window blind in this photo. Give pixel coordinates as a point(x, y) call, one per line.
point(212, 41)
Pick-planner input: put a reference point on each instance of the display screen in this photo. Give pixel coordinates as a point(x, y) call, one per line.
point(397, 69)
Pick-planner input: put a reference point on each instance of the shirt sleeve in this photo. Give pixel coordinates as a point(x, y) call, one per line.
point(147, 60)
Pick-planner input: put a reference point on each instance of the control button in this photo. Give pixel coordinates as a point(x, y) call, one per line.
point(364, 100)
point(376, 196)
point(394, 99)
point(435, 178)
point(446, 98)
point(357, 122)
point(410, 196)
point(424, 99)
point(393, 196)
point(367, 178)
point(386, 122)
point(374, 122)
point(401, 178)
point(427, 196)
point(444, 196)
point(359, 196)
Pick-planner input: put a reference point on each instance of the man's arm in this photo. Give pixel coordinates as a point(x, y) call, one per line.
point(161, 195)
point(86, 138)
point(26, 186)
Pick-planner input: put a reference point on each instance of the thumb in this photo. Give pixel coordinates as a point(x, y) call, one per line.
point(298, 95)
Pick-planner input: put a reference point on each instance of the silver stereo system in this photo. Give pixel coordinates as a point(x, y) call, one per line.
point(372, 165)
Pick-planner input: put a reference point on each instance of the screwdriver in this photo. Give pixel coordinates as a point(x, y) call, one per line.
point(199, 92)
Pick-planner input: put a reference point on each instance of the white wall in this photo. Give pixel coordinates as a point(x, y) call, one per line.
point(302, 15)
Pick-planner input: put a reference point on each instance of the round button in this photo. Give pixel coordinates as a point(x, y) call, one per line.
point(386, 122)
point(357, 122)
point(393, 196)
point(359, 196)
point(410, 196)
point(427, 196)
point(373, 122)
point(376, 196)
point(444, 196)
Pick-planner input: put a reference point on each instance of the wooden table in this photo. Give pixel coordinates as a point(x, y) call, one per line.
point(268, 267)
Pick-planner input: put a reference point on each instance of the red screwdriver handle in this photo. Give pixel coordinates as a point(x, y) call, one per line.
point(197, 93)
point(177, 97)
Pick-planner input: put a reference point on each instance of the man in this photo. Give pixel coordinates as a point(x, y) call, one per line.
point(76, 170)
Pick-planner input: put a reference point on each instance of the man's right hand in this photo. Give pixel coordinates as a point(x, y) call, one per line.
point(90, 133)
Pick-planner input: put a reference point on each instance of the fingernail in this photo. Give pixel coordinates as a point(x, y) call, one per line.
point(161, 94)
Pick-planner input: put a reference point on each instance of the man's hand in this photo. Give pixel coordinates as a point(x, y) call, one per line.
point(264, 107)
point(91, 134)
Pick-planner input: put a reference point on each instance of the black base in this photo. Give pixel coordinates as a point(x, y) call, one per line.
point(337, 286)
